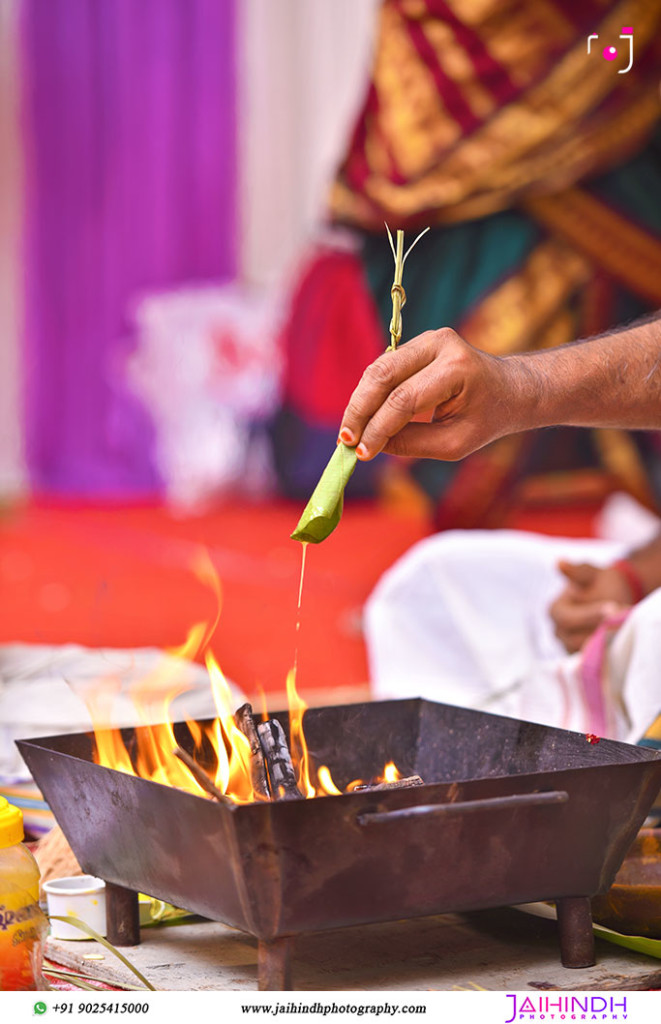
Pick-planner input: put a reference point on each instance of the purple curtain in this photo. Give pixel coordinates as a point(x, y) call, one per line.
point(130, 138)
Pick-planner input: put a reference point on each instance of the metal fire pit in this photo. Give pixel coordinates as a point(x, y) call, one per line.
point(511, 813)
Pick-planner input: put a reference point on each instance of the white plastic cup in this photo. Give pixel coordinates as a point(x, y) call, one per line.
point(82, 896)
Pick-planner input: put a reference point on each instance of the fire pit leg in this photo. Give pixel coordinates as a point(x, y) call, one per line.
point(576, 935)
point(274, 965)
point(122, 915)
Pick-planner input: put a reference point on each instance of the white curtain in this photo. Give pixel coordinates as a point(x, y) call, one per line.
point(11, 461)
point(302, 68)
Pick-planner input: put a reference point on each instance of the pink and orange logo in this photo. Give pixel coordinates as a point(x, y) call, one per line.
point(611, 52)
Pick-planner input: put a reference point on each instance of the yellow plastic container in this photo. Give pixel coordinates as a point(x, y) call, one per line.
point(23, 927)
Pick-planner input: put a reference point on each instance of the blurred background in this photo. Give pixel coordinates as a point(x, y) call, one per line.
point(194, 272)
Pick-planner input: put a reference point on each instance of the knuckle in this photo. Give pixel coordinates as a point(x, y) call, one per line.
point(445, 336)
point(454, 355)
point(402, 400)
point(379, 373)
point(354, 409)
point(430, 344)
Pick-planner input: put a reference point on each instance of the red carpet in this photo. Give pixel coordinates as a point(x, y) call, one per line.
point(123, 577)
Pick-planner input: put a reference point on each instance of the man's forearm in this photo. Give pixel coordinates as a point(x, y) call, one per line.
point(610, 381)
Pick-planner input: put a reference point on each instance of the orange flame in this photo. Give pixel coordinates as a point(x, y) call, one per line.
point(232, 748)
point(326, 782)
point(297, 743)
point(152, 696)
point(391, 773)
point(110, 747)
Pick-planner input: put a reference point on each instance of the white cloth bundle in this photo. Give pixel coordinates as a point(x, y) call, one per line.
point(462, 618)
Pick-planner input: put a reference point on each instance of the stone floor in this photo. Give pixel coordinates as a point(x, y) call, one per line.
point(496, 950)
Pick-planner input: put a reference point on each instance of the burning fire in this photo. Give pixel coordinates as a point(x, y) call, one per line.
point(221, 744)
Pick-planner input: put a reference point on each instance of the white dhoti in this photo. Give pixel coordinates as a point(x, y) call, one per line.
point(463, 619)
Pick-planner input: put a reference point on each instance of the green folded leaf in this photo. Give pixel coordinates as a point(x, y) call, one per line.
point(637, 943)
point(324, 509)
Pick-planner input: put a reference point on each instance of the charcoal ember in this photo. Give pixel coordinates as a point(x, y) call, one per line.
point(407, 783)
point(258, 774)
point(282, 779)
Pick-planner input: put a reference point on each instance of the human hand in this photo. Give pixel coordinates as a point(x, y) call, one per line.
point(590, 596)
point(472, 397)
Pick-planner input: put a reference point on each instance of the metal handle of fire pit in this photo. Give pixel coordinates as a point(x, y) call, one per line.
point(494, 803)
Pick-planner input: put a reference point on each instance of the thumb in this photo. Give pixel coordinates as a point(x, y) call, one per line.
point(582, 575)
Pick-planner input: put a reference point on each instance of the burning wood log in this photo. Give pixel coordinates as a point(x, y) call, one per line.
point(201, 776)
point(411, 780)
point(278, 761)
point(244, 722)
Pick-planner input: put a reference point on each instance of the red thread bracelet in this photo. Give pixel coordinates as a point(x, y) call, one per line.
point(634, 582)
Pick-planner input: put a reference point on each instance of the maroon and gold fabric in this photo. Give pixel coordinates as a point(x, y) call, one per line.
point(476, 104)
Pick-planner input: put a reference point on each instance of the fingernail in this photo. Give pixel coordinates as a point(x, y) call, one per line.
point(361, 451)
point(346, 436)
